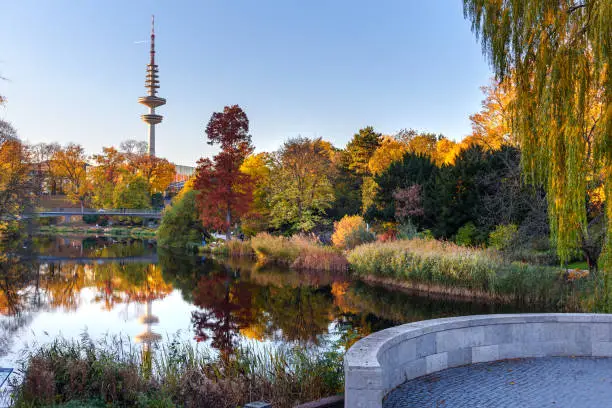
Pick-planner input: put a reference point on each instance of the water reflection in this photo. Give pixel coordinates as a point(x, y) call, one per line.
point(103, 284)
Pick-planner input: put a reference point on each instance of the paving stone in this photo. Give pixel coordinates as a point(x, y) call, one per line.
point(526, 383)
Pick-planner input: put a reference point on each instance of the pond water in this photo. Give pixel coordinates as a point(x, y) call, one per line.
point(66, 286)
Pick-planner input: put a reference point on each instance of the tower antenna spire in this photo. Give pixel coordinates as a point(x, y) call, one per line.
point(152, 39)
point(152, 101)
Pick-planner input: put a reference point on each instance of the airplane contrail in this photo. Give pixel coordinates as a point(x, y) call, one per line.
point(141, 42)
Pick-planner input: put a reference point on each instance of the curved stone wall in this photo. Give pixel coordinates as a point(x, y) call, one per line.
point(378, 363)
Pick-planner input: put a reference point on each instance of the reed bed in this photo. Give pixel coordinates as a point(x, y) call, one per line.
point(301, 252)
point(237, 248)
point(113, 373)
point(431, 264)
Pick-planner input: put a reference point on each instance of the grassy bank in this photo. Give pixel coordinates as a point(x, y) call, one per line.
point(448, 268)
point(115, 374)
point(299, 252)
point(134, 232)
point(421, 264)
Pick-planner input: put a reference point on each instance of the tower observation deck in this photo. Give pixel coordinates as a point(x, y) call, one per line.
point(152, 101)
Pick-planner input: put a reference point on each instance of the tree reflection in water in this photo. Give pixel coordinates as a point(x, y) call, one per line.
point(234, 300)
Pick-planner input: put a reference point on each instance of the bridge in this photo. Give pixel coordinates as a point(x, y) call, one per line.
point(153, 258)
point(67, 212)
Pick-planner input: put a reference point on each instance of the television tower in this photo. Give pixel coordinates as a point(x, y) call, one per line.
point(152, 101)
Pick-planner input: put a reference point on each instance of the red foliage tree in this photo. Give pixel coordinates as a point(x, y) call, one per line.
point(225, 193)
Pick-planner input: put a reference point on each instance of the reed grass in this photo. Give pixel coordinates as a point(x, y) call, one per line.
point(433, 263)
point(300, 252)
point(114, 373)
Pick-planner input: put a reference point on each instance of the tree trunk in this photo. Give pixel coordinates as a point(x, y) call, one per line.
point(228, 220)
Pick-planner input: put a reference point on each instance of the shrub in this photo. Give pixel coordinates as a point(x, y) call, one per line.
point(503, 236)
point(389, 235)
point(180, 225)
point(466, 235)
point(91, 218)
point(407, 230)
point(351, 231)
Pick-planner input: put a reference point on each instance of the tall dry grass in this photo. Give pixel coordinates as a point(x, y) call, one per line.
point(115, 374)
point(433, 263)
point(237, 248)
point(302, 252)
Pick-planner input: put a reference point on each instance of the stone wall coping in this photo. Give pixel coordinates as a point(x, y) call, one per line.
point(363, 355)
point(378, 363)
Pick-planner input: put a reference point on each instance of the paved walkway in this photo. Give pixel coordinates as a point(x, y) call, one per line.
point(525, 383)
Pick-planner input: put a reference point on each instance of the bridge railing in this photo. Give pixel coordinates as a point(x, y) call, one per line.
point(93, 211)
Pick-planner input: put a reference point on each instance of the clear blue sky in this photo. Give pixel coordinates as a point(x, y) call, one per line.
point(315, 68)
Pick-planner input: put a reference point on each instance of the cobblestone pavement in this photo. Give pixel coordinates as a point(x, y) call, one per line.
point(522, 383)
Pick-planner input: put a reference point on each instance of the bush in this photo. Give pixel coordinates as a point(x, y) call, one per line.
point(503, 236)
point(180, 226)
point(466, 235)
point(407, 230)
point(351, 231)
point(91, 218)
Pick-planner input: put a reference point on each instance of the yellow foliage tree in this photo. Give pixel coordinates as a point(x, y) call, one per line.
point(158, 172)
point(390, 150)
point(350, 231)
point(491, 127)
point(70, 164)
point(257, 167)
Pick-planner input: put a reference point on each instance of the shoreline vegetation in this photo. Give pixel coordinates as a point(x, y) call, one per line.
point(113, 373)
point(421, 264)
point(88, 230)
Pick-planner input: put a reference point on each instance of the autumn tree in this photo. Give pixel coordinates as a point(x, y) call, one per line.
point(105, 174)
point(158, 172)
point(558, 53)
point(17, 186)
point(446, 151)
point(358, 154)
point(70, 163)
point(132, 192)
point(491, 127)
point(225, 192)
point(301, 184)
point(420, 143)
point(361, 148)
point(42, 153)
point(389, 151)
point(257, 167)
